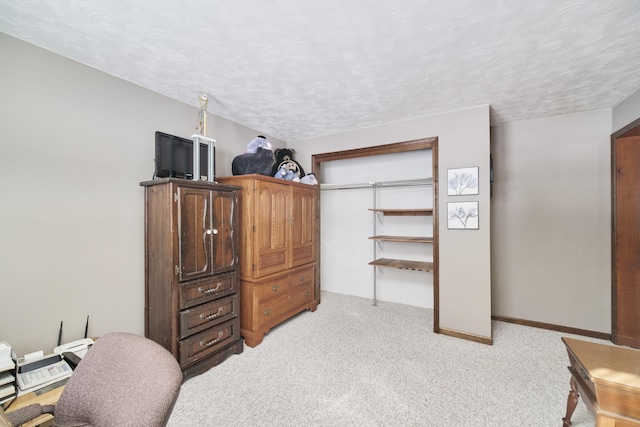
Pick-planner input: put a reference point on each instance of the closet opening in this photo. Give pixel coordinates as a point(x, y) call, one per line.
point(376, 178)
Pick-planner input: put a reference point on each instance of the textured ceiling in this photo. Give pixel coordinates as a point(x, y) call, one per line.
point(302, 68)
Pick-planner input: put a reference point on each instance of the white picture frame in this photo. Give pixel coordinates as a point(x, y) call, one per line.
point(462, 181)
point(462, 216)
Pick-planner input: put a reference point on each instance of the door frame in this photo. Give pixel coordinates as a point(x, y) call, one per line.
point(397, 147)
point(631, 130)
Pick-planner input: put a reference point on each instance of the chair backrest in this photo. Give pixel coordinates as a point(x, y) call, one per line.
point(123, 380)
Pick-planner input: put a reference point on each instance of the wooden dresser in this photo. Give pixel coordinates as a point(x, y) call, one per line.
point(191, 278)
point(277, 252)
point(608, 379)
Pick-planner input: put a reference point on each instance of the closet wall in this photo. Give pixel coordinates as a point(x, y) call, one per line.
point(626, 112)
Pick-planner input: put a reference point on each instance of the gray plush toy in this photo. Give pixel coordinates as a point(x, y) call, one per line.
point(257, 159)
point(259, 142)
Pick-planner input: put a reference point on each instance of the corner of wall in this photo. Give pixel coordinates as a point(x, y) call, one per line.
point(626, 112)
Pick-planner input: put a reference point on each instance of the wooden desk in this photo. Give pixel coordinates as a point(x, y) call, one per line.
point(608, 379)
point(46, 396)
point(4, 421)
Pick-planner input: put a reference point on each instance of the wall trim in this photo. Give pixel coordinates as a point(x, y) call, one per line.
point(552, 327)
point(465, 336)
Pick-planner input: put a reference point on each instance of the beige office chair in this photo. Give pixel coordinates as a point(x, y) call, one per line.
point(123, 380)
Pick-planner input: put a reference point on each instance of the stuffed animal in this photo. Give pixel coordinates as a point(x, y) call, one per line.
point(287, 172)
point(284, 156)
point(259, 142)
point(309, 179)
point(260, 162)
point(258, 158)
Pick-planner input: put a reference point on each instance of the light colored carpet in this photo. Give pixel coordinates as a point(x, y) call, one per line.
point(353, 364)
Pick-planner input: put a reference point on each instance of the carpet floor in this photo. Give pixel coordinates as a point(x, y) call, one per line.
point(353, 364)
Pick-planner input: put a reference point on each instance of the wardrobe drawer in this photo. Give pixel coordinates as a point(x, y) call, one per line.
point(302, 277)
point(271, 288)
point(277, 309)
point(208, 341)
point(283, 284)
point(203, 290)
point(204, 316)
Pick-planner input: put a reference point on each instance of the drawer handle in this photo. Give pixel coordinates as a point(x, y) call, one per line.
point(306, 294)
point(302, 278)
point(584, 375)
point(267, 312)
point(212, 342)
point(274, 288)
point(208, 291)
point(212, 316)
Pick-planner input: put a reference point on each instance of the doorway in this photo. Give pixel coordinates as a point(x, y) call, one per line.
point(625, 235)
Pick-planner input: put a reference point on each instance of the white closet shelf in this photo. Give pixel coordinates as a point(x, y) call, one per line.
point(403, 239)
point(378, 184)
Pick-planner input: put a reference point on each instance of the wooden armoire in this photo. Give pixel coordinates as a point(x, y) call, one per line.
point(278, 258)
point(625, 235)
point(191, 278)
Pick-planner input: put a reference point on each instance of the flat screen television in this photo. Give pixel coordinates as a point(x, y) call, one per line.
point(174, 157)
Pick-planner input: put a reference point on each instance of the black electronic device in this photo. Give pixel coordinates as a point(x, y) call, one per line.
point(174, 157)
point(71, 358)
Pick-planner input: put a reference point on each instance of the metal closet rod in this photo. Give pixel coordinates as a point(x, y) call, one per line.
point(375, 184)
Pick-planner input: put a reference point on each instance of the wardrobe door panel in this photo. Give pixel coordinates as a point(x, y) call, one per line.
point(272, 229)
point(223, 230)
point(303, 226)
point(194, 243)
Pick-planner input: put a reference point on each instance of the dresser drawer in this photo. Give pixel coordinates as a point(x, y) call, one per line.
point(302, 278)
point(208, 341)
point(200, 291)
point(204, 316)
point(271, 288)
point(277, 309)
point(283, 284)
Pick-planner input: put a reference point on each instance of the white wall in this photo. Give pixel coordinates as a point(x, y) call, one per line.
point(347, 210)
point(626, 112)
point(74, 145)
point(551, 210)
point(465, 293)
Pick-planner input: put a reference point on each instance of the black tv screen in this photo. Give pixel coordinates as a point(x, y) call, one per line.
point(174, 157)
